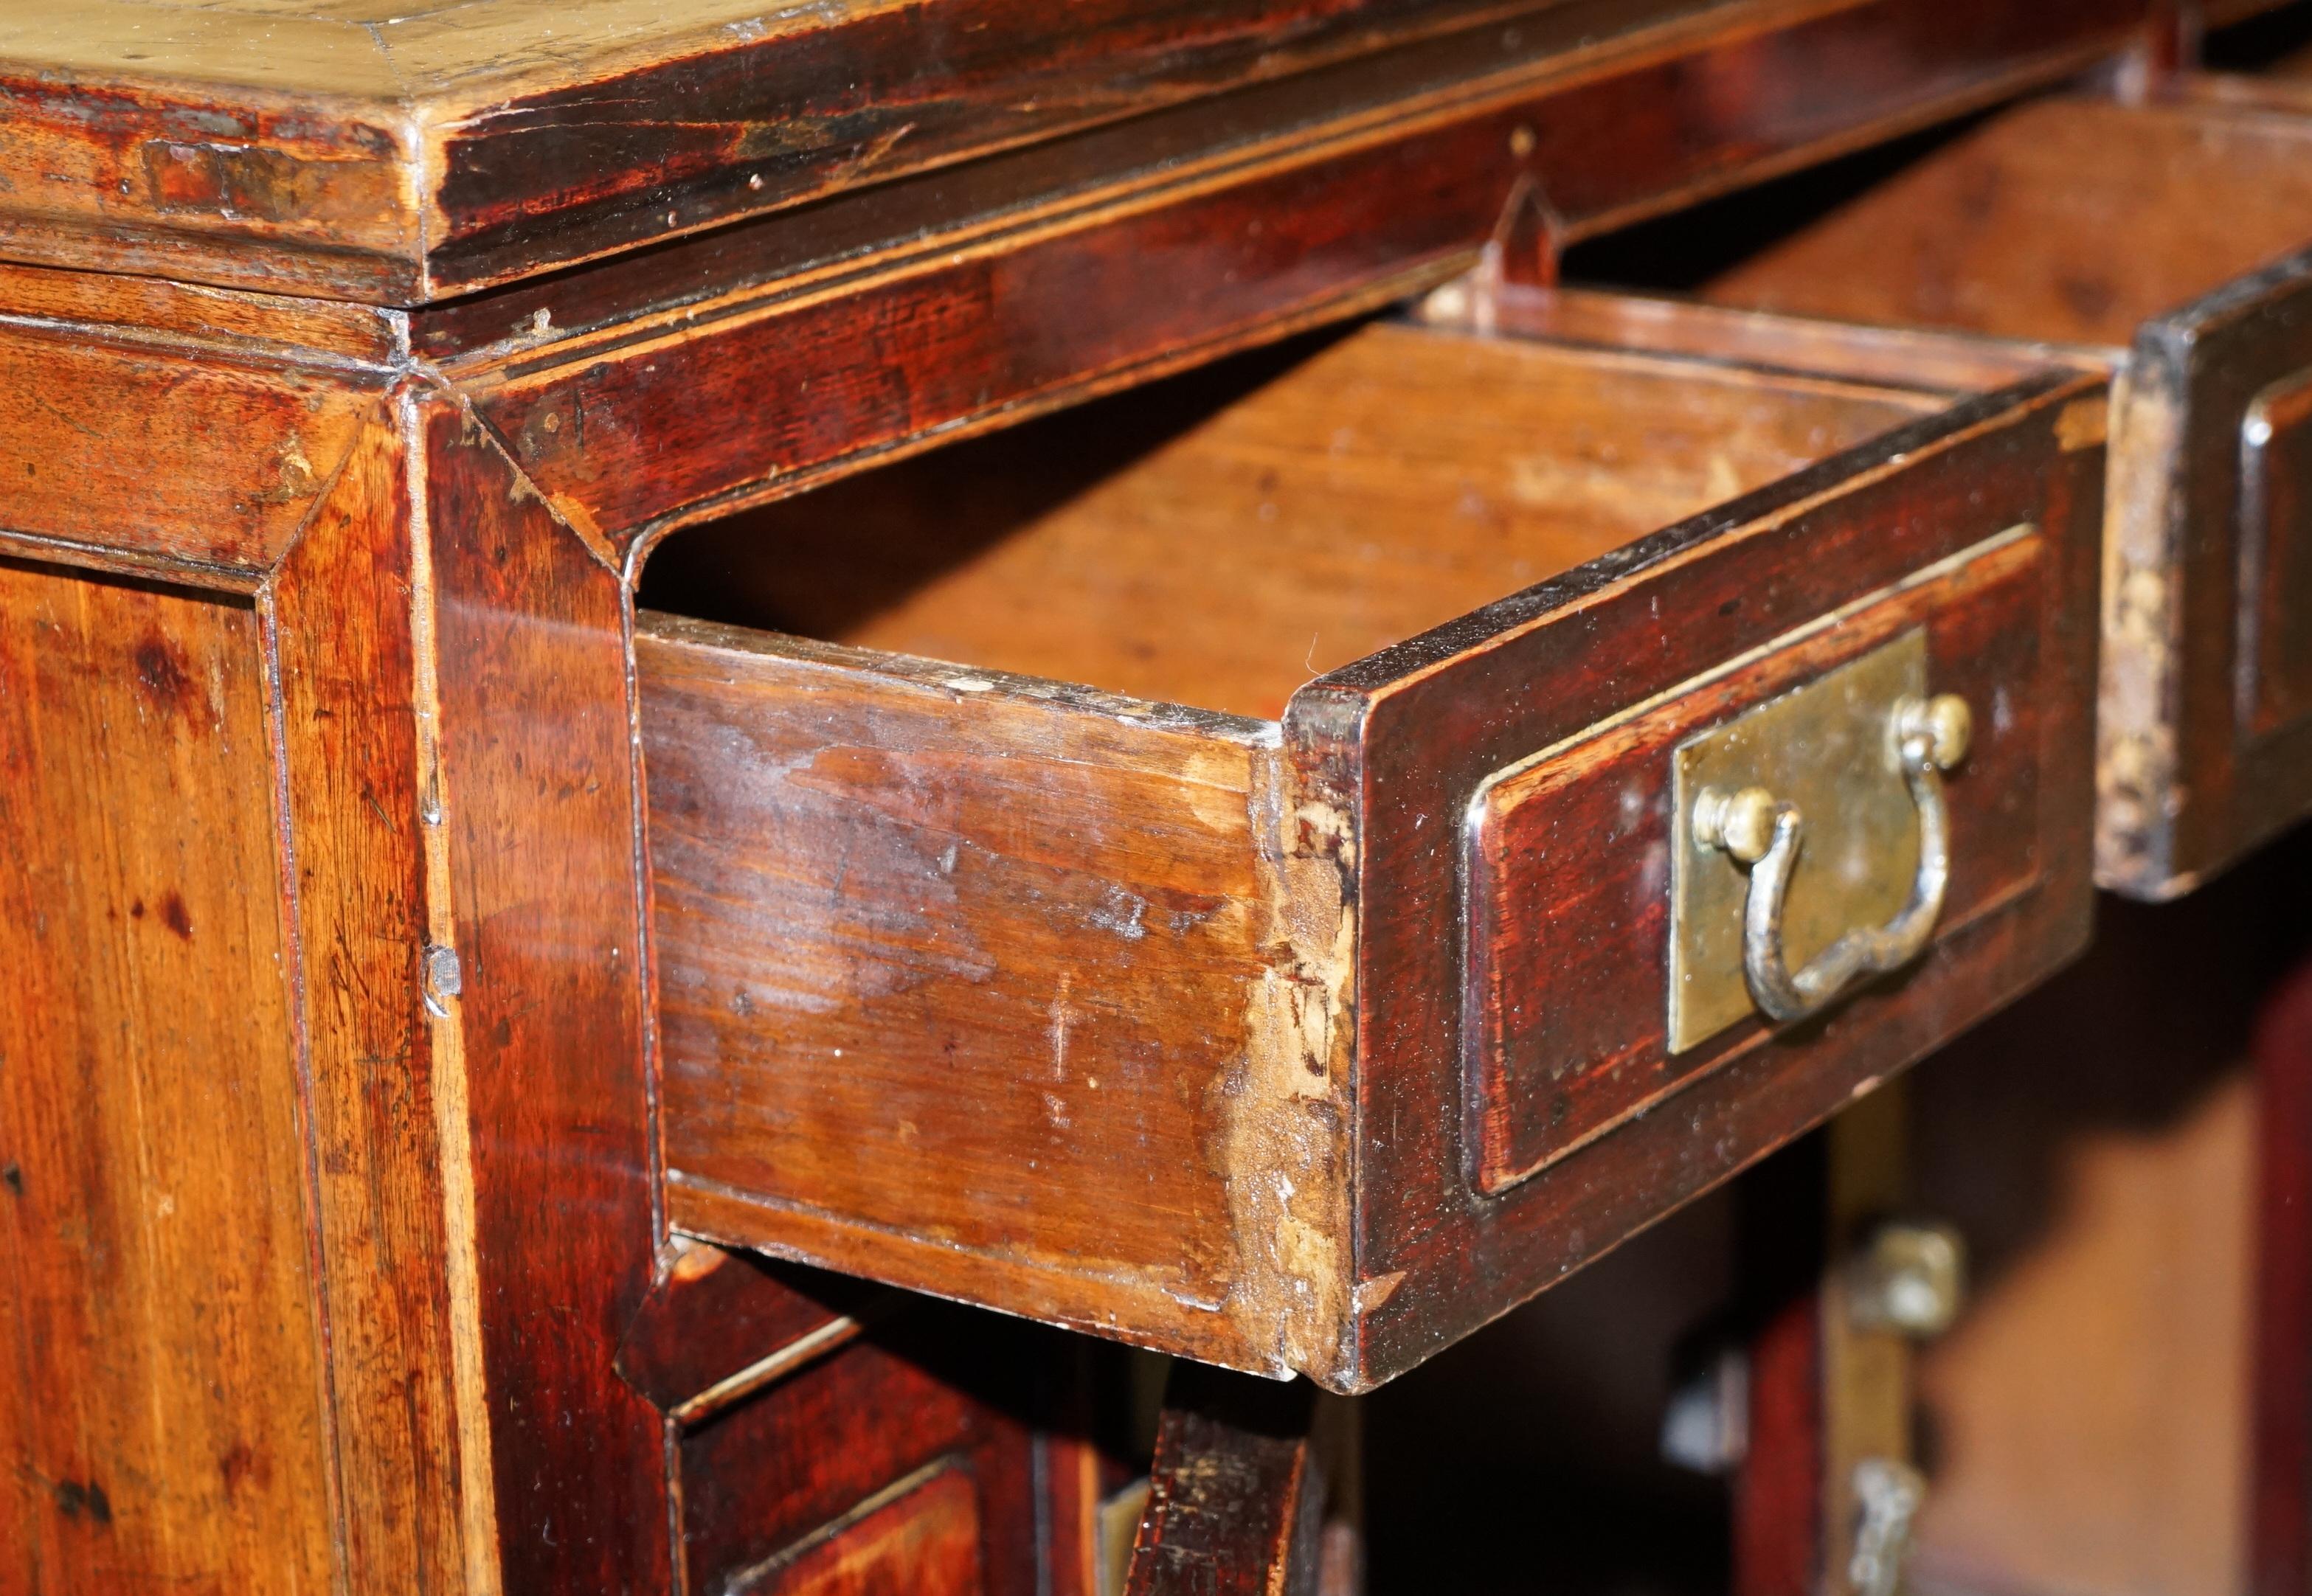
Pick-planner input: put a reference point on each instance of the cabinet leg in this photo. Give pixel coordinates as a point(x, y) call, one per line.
point(1253, 1490)
point(2280, 1541)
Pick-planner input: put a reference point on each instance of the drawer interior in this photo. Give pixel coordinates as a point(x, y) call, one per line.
point(1217, 540)
point(2067, 221)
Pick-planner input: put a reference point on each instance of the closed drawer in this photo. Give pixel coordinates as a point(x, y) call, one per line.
point(2176, 238)
point(1215, 876)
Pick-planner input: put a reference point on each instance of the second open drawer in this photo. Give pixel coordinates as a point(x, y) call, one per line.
point(1224, 873)
point(2175, 239)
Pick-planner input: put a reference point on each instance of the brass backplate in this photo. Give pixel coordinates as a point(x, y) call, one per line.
point(1829, 748)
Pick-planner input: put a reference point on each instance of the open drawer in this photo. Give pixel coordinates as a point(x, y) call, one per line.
point(1119, 974)
point(2176, 236)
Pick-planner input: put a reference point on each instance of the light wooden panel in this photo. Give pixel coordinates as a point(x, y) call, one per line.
point(160, 1407)
point(2085, 1424)
point(2070, 220)
point(1383, 486)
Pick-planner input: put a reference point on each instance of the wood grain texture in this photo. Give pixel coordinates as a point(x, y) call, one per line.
point(2204, 754)
point(354, 152)
point(925, 1538)
point(2015, 228)
point(254, 327)
point(847, 846)
point(2092, 1415)
point(884, 884)
point(956, 957)
point(1236, 1498)
point(452, 714)
point(1566, 1014)
point(1703, 103)
point(831, 368)
point(563, 166)
point(215, 461)
point(2095, 1144)
point(1337, 504)
point(352, 809)
point(1905, 358)
point(534, 874)
point(934, 344)
point(398, 151)
point(937, 1399)
point(163, 1413)
point(264, 185)
point(717, 1325)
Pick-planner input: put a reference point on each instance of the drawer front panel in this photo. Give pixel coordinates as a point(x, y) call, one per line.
point(791, 1491)
point(2276, 556)
point(1571, 871)
point(1471, 1197)
point(2207, 680)
point(922, 1542)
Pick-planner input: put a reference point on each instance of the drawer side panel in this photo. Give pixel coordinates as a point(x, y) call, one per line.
point(975, 986)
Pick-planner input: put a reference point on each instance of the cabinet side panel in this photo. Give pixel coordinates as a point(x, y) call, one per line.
point(141, 448)
point(161, 1425)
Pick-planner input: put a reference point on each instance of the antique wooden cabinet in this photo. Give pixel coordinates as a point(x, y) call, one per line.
point(640, 638)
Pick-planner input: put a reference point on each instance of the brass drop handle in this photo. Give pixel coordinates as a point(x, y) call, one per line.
point(1887, 1496)
point(1762, 832)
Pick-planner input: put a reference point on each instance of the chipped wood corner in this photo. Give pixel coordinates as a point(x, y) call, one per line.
point(2136, 761)
point(1288, 1152)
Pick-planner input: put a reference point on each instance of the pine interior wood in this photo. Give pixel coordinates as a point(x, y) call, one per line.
point(2071, 221)
point(1384, 485)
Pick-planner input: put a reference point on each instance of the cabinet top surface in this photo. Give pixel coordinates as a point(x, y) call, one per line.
point(401, 151)
point(418, 57)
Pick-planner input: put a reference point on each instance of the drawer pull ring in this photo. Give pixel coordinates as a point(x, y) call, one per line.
point(1762, 832)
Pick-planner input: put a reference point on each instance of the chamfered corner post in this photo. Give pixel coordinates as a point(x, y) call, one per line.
point(459, 806)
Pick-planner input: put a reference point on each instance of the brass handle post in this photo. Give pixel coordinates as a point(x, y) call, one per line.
point(1760, 830)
